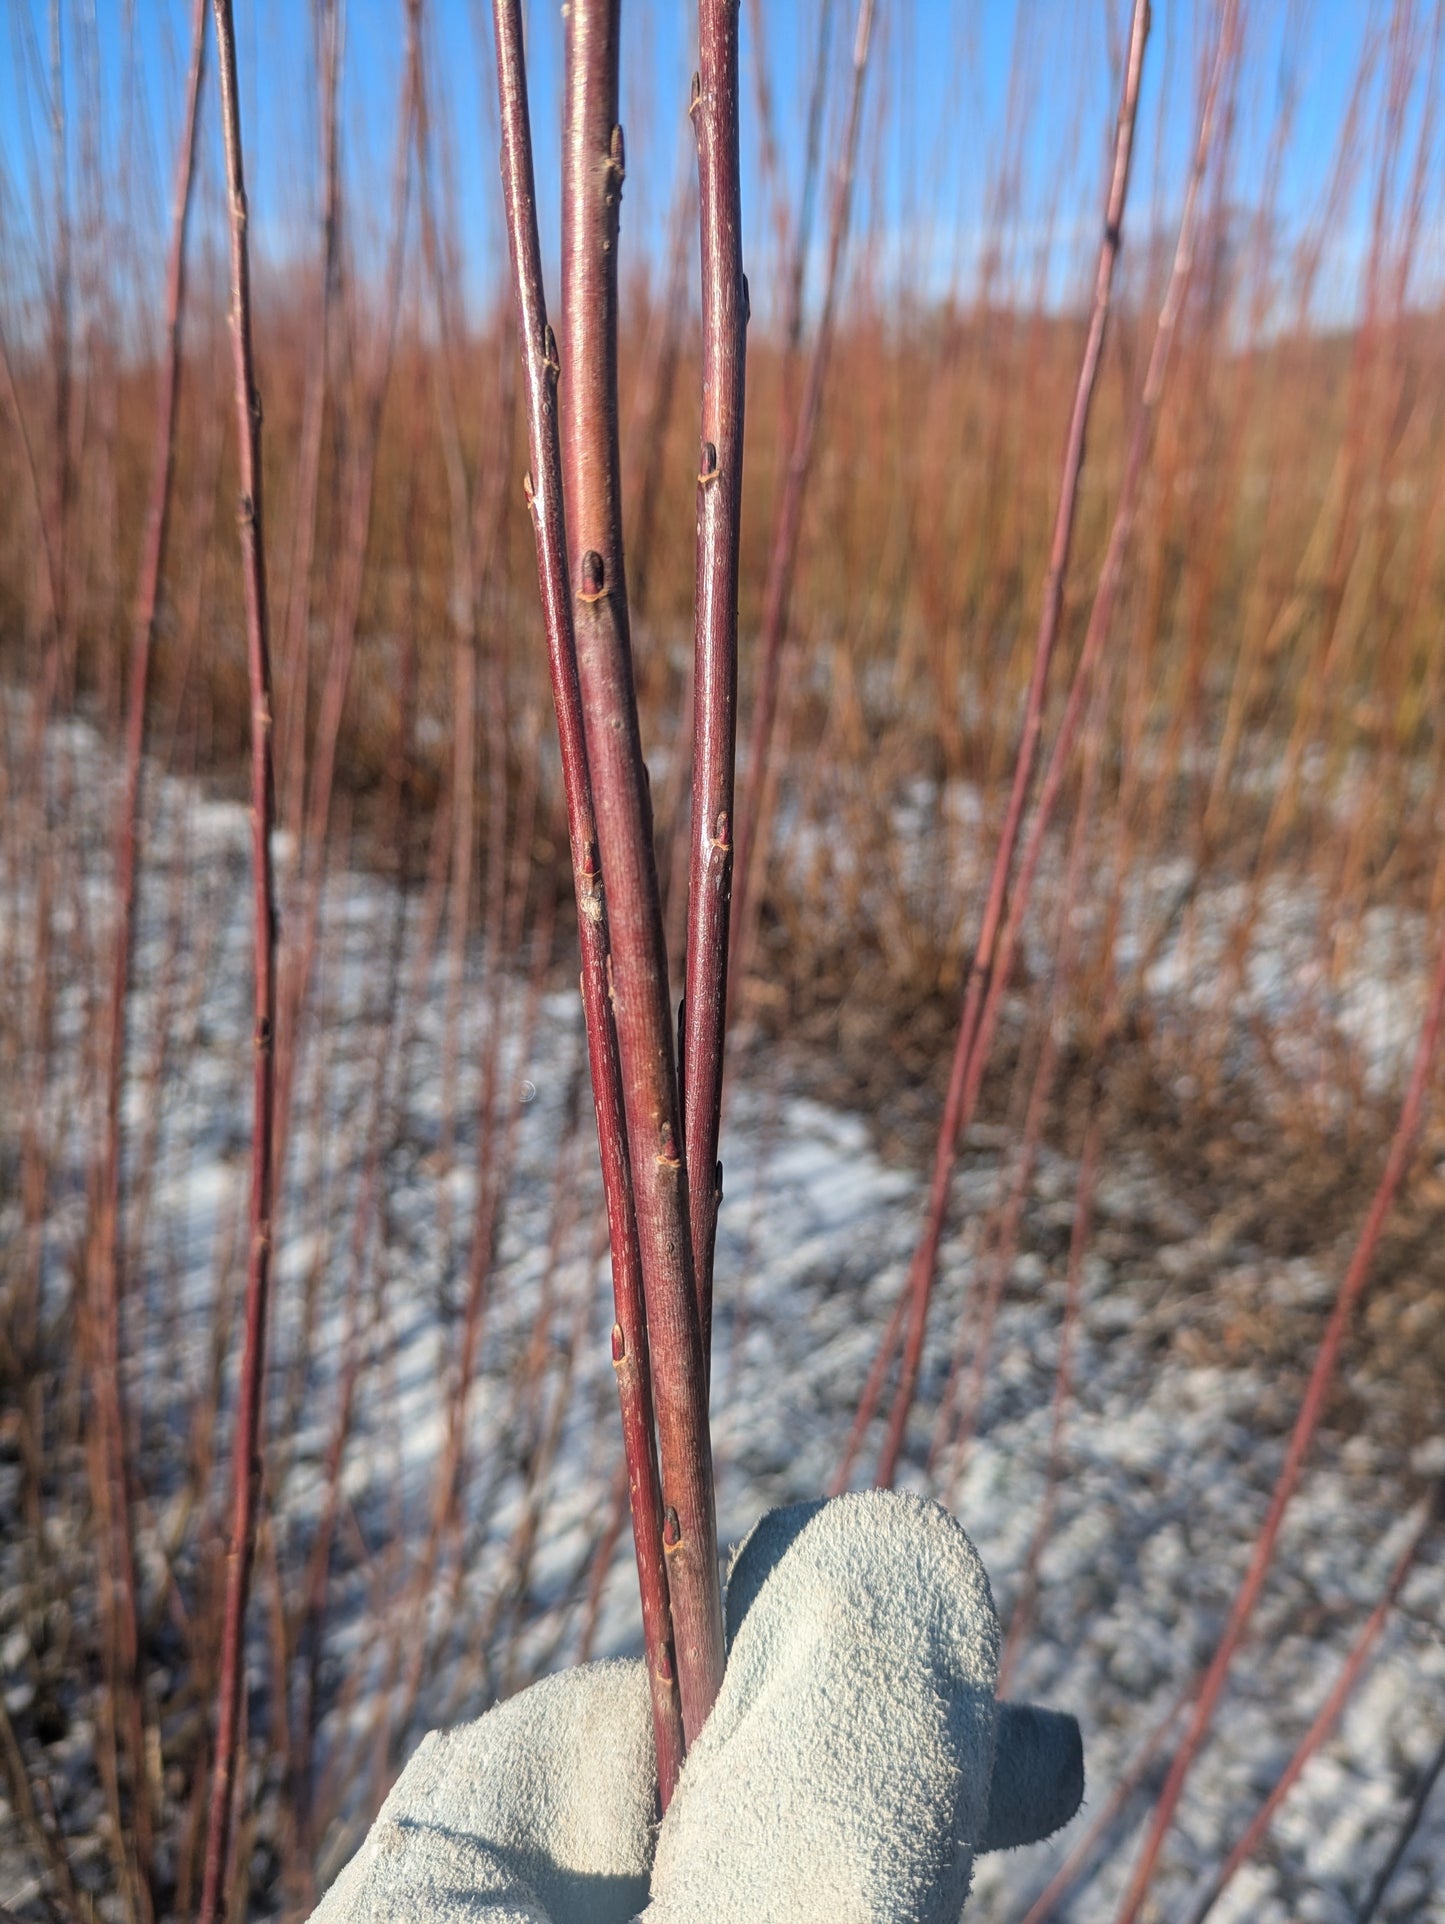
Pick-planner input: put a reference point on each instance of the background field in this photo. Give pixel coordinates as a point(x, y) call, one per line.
point(1227, 958)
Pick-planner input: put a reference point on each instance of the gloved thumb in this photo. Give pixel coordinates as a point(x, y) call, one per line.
point(848, 1767)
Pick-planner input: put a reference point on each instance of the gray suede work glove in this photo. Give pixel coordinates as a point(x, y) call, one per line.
point(853, 1764)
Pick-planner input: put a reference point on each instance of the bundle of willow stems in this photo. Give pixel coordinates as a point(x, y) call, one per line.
point(657, 1107)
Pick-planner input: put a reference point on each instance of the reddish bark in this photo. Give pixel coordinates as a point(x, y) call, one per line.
point(715, 675)
point(246, 1445)
point(592, 178)
point(540, 369)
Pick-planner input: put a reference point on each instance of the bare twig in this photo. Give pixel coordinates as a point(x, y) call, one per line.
point(715, 677)
point(630, 1332)
point(107, 1281)
point(1076, 1862)
point(1006, 1221)
point(47, 1841)
point(992, 965)
point(651, 409)
point(360, 481)
point(246, 1445)
point(62, 340)
point(48, 572)
point(1429, 1777)
point(787, 528)
point(1306, 1422)
point(592, 176)
point(792, 250)
point(295, 665)
point(1328, 1713)
point(808, 199)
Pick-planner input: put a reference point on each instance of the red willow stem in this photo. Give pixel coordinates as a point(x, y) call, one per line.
point(769, 162)
point(1424, 1785)
point(992, 965)
point(592, 176)
point(715, 678)
point(1306, 1422)
point(62, 481)
point(1026, 1600)
point(652, 405)
point(476, 527)
point(925, 1262)
point(108, 1280)
point(868, 1401)
point(959, 1411)
point(303, 1630)
point(46, 1839)
point(497, 1132)
point(792, 250)
point(315, 789)
point(1051, 613)
point(601, 1564)
point(1110, 574)
point(782, 560)
point(540, 368)
point(1328, 1713)
point(1008, 1213)
point(246, 1445)
point(1069, 1872)
point(295, 667)
point(32, 476)
point(803, 235)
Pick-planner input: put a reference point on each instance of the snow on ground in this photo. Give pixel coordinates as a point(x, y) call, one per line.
point(1166, 1466)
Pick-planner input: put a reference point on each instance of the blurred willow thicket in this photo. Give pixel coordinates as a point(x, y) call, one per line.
point(1279, 688)
point(1234, 971)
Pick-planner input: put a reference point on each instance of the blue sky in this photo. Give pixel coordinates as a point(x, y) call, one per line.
point(960, 97)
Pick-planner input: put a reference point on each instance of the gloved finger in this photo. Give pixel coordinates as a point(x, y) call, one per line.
point(409, 1873)
point(1038, 1776)
point(1038, 1764)
point(541, 1812)
point(845, 1768)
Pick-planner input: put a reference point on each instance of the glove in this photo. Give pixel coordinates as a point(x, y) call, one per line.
point(854, 1762)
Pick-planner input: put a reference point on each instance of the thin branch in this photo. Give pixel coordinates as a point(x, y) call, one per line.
point(808, 200)
point(1306, 1422)
point(32, 475)
point(1001, 1236)
point(1327, 1716)
point(107, 1280)
point(782, 560)
point(1429, 1777)
point(540, 368)
point(1080, 1854)
point(296, 638)
point(357, 492)
point(651, 409)
point(992, 966)
point(246, 1444)
point(592, 177)
point(62, 341)
point(715, 675)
